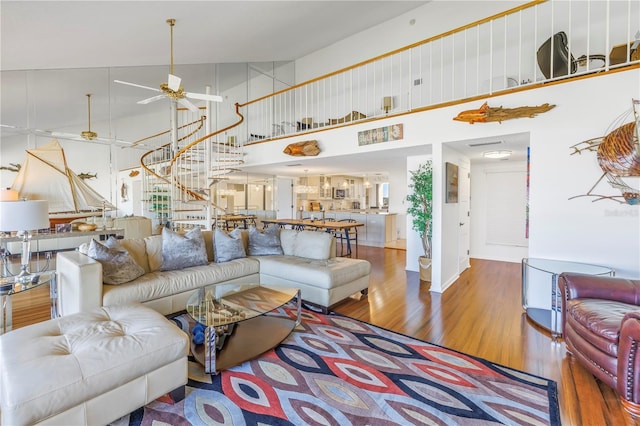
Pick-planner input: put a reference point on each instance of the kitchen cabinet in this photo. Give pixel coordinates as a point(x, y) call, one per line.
point(378, 230)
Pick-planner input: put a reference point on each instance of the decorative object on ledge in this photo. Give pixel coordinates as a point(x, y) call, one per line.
point(134, 173)
point(84, 227)
point(555, 59)
point(307, 123)
point(304, 148)
point(618, 155)
point(485, 113)
point(381, 134)
point(387, 104)
point(63, 227)
point(353, 116)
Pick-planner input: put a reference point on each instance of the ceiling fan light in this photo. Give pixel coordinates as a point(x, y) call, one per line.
point(497, 154)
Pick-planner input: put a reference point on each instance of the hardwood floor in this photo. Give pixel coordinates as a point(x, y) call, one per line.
point(480, 314)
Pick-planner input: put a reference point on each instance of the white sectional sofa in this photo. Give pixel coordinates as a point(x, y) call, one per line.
point(308, 262)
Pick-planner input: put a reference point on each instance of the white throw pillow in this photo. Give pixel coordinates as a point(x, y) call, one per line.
point(313, 245)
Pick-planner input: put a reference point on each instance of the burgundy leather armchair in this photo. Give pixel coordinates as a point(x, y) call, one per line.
point(601, 329)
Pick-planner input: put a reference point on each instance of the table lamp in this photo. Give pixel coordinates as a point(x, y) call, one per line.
point(24, 216)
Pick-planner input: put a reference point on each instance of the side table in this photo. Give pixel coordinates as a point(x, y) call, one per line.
point(541, 298)
point(9, 287)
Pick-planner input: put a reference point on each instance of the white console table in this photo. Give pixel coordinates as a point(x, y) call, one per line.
point(44, 244)
point(56, 241)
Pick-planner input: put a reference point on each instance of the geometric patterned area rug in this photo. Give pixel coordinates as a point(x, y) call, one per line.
point(334, 370)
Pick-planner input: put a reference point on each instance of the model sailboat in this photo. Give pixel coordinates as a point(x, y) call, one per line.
point(44, 175)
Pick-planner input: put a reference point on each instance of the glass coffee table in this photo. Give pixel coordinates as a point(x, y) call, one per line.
point(237, 328)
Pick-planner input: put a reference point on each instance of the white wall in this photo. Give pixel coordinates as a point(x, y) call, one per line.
point(582, 230)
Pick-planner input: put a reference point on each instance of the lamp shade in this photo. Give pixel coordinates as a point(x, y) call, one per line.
point(9, 195)
point(24, 215)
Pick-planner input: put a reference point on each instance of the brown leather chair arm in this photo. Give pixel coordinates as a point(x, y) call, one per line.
point(574, 286)
point(629, 357)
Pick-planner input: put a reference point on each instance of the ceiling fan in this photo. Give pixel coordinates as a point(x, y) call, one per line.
point(172, 88)
point(86, 135)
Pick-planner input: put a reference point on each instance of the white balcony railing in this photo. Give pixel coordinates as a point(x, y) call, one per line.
point(501, 53)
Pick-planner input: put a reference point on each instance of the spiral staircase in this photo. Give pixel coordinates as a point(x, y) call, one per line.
point(182, 173)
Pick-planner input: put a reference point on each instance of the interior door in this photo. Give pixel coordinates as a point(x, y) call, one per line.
point(285, 199)
point(464, 198)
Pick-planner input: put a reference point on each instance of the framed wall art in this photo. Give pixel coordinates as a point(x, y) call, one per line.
point(451, 190)
point(381, 134)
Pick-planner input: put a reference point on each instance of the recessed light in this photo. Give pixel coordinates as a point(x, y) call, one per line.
point(496, 154)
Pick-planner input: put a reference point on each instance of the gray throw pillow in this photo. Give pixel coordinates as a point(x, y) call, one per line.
point(179, 252)
point(228, 247)
point(118, 267)
point(264, 243)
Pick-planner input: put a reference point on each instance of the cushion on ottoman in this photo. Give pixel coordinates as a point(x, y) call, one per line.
point(57, 366)
point(325, 274)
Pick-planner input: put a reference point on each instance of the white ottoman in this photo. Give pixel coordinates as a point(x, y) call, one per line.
point(90, 367)
point(323, 283)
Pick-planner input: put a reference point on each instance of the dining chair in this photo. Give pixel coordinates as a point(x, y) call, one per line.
point(352, 233)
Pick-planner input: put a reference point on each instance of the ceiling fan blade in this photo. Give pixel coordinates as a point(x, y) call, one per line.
point(151, 99)
point(174, 82)
point(61, 135)
point(136, 85)
point(189, 105)
point(204, 97)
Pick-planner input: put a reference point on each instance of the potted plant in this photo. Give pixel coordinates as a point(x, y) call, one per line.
point(420, 208)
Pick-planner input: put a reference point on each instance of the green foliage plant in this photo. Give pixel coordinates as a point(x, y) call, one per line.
point(420, 200)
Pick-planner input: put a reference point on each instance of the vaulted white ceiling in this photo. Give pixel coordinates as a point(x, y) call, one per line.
point(86, 34)
point(59, 35)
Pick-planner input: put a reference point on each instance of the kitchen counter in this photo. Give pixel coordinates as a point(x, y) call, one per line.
point(379, 229)
point(358, 211)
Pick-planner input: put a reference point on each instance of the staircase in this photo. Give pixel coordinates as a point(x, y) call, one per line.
point(181, 175)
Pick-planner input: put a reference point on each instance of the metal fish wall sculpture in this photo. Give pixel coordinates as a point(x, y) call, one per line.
point(618, 154)
point(84, 176)
point(12, 167)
